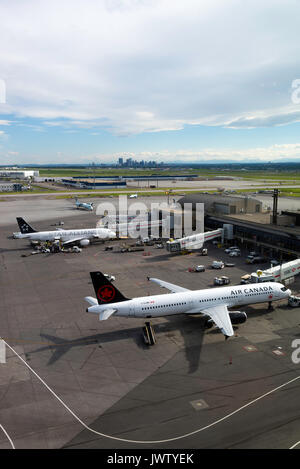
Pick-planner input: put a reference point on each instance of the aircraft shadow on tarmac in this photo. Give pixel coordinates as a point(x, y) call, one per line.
point(191, 329)
point(161, 257)
point(24, 248)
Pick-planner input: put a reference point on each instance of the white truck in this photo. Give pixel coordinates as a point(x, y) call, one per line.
point(280, 273)
point(192, 242)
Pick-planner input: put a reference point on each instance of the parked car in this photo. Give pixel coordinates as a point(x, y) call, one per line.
point(232, 248)
point(235, 253)
point(256, 260)
point(294, 301)
point(200, 268)
point(218, 265)
point(274, 262)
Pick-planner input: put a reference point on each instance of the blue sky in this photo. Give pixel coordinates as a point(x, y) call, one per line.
point(151, 79)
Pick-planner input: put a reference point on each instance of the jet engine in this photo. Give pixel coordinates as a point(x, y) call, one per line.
point(208, 323)
point(84, 242)
point(238, 317)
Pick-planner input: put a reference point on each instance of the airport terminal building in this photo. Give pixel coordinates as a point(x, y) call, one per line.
point(281, 241)
point(224, 204)
point(248, 231)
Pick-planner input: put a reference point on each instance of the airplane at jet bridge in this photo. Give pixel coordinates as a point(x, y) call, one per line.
point(213, 303)
point(82, 236)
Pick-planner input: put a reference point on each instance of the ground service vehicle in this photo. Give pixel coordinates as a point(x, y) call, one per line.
point(221, 280)
point(218, 265)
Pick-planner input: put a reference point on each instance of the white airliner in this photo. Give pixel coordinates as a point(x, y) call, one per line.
point(212, 303)
point(82, 237)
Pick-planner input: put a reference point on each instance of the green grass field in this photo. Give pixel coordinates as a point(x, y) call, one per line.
point(247, 175)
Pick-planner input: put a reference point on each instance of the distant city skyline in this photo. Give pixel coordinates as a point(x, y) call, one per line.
point(152, 80)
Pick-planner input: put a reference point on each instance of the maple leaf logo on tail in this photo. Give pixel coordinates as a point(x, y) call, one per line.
point(106, 293)
point(104, 290)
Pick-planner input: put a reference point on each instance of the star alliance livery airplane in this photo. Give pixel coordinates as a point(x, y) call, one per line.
point(213, 303)
point(82, 237)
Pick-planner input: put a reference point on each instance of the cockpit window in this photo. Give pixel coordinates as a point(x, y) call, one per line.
point(283, 289)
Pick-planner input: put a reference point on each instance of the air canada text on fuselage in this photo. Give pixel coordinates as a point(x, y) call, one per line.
point(251, 290)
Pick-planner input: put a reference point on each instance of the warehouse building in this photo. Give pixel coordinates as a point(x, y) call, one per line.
point(18, 174)
point(94, 183)
point(10, 187)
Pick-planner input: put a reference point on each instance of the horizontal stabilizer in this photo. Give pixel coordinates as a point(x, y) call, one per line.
point(92, 301)
point(106, 314)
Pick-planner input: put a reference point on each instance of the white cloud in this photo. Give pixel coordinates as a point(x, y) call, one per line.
point(135, 66)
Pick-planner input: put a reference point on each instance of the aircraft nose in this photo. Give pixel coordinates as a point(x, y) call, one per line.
point(112, 234)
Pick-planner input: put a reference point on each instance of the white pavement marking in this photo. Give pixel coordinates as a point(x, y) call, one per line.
point(2, 352)
point(186, 435)
point(7, 436)
point(294, 446)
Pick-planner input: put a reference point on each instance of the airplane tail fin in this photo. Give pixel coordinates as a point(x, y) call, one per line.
point(25, 228)
point(105, 292)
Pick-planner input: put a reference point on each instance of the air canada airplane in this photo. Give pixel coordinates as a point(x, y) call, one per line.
point(82, 237)
point(84, 205)
point(213, 303)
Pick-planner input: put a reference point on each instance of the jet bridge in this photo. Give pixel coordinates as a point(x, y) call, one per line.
point(192, 242)
point(280, 273)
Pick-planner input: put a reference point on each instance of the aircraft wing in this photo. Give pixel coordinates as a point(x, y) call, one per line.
point(170, 286)
point(74, 240)
point(220, 315)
